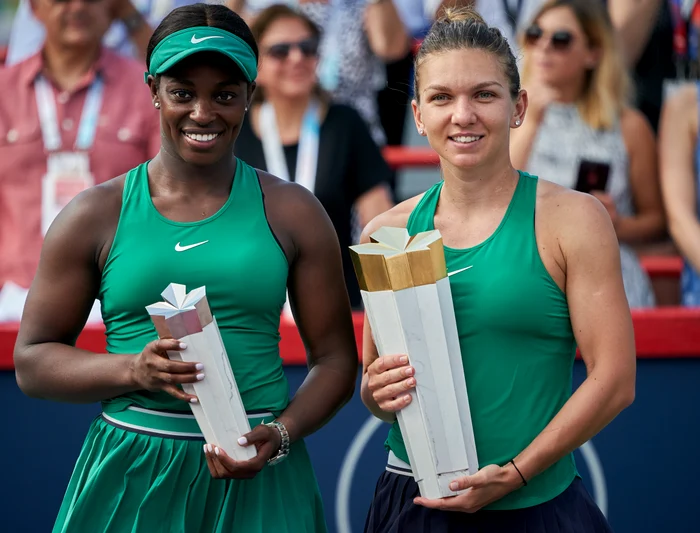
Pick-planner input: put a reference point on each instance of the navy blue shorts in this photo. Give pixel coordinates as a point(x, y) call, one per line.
point(393, 511)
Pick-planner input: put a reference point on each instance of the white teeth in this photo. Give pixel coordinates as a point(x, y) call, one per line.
point(202, 137)
point(465, 139)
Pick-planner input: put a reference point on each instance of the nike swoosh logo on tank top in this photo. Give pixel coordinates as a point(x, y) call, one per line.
point(179, 248)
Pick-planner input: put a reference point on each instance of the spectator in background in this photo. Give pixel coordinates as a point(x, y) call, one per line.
point(295, 132)
point(578, 88)
point(645, 28)
point(680, 180)
point(358, 38)
point(75, 114)
point(128, 35)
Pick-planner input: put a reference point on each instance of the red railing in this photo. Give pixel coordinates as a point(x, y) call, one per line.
point(668, 333)
point(413, 156)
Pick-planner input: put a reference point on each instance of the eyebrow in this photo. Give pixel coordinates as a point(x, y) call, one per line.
point(478, 86)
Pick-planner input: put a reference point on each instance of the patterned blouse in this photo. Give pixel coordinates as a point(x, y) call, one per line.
point(563, 140)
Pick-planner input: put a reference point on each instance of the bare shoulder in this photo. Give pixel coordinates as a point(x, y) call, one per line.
point(635, 125)
point(286, 198)
point(396, 217)
point(572, 218)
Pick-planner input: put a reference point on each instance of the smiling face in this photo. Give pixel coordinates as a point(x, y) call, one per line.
point(73, 23)
point(202, 105)
point(289, 53)
point(557, 48)
point(465, 107)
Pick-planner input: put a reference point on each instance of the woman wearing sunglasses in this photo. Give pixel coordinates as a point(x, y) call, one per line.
point(580, 132)
point(295, 132)
point(199, 216)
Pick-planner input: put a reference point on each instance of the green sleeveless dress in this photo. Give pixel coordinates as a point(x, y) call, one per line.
point(142, 468)
point(516, 340)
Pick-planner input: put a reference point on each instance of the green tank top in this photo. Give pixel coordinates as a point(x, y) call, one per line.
point(516, 340)
point(236, 257)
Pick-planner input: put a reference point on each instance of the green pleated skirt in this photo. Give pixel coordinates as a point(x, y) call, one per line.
point(130, 482)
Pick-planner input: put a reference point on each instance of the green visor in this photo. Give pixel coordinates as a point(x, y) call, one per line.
point(181, 44)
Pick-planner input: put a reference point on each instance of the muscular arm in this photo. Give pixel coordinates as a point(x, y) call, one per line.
point(677, 145)
point(67, 281)
point(602, 325)
point(321, 307)
point(648, 222)
point(634, 20)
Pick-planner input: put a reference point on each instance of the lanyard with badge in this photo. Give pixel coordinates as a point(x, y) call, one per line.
point(307, 158)
point(68, 172)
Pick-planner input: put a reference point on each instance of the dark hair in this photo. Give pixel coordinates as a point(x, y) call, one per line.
point(272, 14)
point(459, 29)
point(193, 15)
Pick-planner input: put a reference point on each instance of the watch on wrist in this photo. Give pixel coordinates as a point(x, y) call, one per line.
point(133, 21)
point(283, 452)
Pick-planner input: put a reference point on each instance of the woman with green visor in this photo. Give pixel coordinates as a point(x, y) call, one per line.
point(198, 216)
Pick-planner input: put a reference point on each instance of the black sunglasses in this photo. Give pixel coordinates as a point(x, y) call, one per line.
point(308, 48)
point(561, 40)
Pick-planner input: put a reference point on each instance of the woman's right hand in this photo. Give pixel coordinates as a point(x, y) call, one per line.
point(390, 379)
point(152, 370)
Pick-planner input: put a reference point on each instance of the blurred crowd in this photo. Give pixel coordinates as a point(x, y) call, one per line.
point(613, 111)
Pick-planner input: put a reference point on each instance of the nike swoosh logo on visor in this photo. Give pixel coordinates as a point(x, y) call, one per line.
point(460, 270)
point(197, 41)
point(179, 248)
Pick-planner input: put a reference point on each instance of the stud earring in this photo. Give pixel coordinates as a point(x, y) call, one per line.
point(517, 122)
point(421, 131)
point(246, 109)
point(157, 105)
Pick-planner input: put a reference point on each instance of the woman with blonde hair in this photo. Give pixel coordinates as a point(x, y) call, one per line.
point(537, 273)
point(580, 132)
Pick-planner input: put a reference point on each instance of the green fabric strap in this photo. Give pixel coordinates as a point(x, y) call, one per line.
point(181, 44)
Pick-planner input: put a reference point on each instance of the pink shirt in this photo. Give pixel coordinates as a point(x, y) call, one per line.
point(128, 133)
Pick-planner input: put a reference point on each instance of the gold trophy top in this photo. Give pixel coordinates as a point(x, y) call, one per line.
point(394, 260)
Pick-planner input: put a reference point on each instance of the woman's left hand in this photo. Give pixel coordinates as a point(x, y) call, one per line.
point(608, 203)
point(267, 440)
point(489, 484)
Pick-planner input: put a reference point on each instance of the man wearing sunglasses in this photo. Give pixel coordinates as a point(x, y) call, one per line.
point(76, 115)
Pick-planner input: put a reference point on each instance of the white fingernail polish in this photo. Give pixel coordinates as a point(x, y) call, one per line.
point(193, 400)
point(183, 346)
point(216, 450)
point(210, 448)
point(200, 377)
point(205, 448)
point(242, 441)
point(199, 366)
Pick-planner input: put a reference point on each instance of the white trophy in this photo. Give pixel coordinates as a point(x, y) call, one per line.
point(408, 302)
point(220, 412)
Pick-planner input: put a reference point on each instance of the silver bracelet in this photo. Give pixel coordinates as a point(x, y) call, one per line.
point(283, 452)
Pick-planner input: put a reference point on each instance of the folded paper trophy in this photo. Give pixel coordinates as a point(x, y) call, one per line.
point(408, 302)
point(220, 412)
